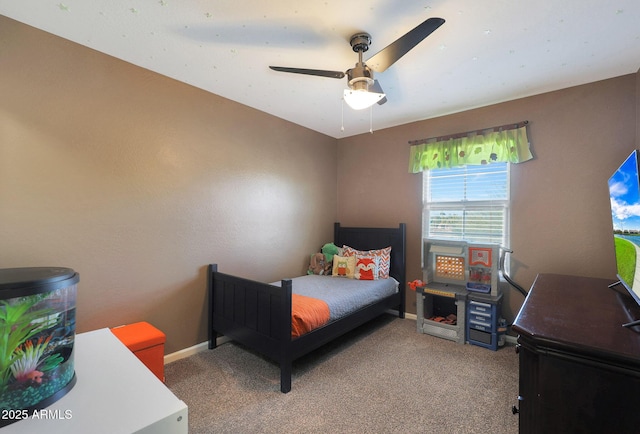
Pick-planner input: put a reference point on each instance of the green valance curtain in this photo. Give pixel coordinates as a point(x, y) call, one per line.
point(501, 144)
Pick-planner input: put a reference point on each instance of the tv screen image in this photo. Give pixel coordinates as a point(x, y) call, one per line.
point(624, 194)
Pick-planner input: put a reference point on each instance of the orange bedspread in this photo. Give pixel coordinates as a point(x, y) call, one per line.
point(307, 313)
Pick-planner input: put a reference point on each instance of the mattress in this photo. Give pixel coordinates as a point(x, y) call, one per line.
point(341, 296)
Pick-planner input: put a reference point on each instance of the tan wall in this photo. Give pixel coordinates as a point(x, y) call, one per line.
point(137, 181)
point(560, 219)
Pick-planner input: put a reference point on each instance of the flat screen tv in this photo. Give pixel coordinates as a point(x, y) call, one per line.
point(624, 194)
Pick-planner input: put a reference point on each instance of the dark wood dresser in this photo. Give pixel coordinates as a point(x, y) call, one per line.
point(579, 368)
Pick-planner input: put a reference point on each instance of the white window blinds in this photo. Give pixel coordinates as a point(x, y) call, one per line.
point(468, 203)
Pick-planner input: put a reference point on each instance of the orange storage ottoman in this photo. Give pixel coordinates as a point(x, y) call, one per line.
point(146, 342)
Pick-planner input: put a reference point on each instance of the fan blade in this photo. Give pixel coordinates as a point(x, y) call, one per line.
point(401, 46)
point(318, 72)
point(375, 87)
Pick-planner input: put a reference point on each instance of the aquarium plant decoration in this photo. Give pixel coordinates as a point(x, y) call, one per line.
point(18, 324)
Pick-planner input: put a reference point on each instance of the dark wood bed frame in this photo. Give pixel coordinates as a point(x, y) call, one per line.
point(258, 315)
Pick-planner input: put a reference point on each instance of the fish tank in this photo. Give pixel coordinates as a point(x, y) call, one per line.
point(37, 334)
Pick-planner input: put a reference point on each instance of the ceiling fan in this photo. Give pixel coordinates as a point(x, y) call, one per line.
point(363, 90)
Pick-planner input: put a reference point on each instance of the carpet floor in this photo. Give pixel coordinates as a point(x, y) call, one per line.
point(383, 377)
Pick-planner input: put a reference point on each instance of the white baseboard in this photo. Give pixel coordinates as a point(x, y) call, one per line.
point(186, 352)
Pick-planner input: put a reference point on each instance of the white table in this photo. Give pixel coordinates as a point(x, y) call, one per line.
point(114, 393)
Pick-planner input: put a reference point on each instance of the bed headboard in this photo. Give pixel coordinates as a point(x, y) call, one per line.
point(377, 238)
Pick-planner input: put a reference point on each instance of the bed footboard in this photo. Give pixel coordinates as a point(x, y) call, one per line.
point(255, 314)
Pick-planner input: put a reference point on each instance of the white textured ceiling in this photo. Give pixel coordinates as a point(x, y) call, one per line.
point(487, 51)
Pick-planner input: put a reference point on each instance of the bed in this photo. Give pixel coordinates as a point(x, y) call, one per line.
point(259, 315)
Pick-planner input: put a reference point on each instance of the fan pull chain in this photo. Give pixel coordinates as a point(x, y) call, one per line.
point(342, 118)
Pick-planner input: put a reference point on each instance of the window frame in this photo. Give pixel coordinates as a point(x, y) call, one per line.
point(429, 207)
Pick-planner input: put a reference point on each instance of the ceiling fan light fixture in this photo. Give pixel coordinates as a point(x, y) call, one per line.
point(358, 96)
point(361, 99)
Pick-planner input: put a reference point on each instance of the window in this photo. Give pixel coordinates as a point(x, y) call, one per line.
point(469, 203)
